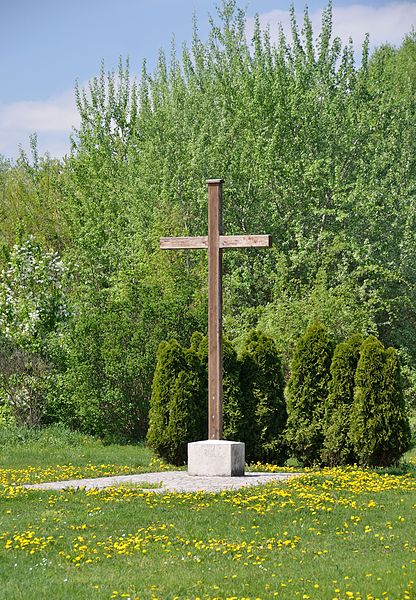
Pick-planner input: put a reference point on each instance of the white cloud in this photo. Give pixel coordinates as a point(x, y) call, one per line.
point(51, 119)
point(384, 24)
point(388, 23)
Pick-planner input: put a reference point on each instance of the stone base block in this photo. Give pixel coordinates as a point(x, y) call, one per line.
point(216, 458)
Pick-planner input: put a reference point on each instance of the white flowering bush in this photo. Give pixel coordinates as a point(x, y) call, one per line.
point(32, 298)
point(32, 305)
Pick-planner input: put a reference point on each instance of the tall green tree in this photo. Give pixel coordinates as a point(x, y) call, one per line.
point(338, 447)
point(33, 312)
point(306, 394)
point(263, 388)
point(379, 426)
point(171, 362)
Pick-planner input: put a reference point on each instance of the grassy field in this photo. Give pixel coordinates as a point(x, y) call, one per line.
point(344, 534)
point(55, 445)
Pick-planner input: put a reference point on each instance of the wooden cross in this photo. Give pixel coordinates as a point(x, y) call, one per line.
point(214, 243)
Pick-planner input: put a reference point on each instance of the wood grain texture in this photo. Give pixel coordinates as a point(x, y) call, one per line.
point(245, 241)
point(225, 241)
point(215, 424)
point(181, 243)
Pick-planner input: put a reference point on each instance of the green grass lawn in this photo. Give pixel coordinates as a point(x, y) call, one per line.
point(22, 447)
point(327, 534)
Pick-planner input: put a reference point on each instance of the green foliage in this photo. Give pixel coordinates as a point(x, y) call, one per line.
point(396, 420)
point(306, 393)
point(380, 429)
point(338, 307)
point(108, 356)
point(412, 423)
point(177, 405)
point(264, 405)
point(236, 418)
point(32, 295)
point(236, 413)
point(185, 416)
point(251, 411)
point(170, 363)
point(30, 201)
point(337, 449)
point(254, 410)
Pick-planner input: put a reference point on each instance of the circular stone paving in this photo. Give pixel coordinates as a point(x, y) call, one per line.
point(169, 481)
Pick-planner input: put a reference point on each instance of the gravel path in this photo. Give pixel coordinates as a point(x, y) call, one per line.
point(178, 481)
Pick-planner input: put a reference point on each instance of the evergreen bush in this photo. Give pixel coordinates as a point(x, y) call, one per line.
point(184, 424)
point(254, 409)
point(234, 414)
point(263, 386)
point(338, 448)
point(177, 402)
point(170, 362)
point(380, 429)
point(395, 416)
point(306, 393)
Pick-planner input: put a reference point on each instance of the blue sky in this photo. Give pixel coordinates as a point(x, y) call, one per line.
point(45, 46)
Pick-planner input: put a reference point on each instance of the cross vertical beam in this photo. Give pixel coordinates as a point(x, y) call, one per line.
point(215, 425)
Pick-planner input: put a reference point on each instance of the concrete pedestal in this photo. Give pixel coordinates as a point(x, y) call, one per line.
point(220, 458)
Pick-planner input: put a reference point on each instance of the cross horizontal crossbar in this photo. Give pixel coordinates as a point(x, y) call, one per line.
point(225, 241)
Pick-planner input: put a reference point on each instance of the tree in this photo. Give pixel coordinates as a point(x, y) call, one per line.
point(185, 413)
point(264, 405)
point(32, 295)
point(337, 448)
point(236, 417)
point(379, 427)
point(306, 394)
point(31, 202)
point(33, 310)
point(171, 362)
point(176, 407)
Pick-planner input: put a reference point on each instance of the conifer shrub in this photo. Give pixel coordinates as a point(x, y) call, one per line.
point(338, 447)
point(170, 361)
point(185, 417)
point(175, 416)
point(394, 411)
point(306, 393)
point(263, 391)
point(196, 343)
point(235, 415)
point(379, 429)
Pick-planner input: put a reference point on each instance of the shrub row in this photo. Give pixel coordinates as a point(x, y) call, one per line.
point(342, 405)
point(345, 405)
point(254, 409)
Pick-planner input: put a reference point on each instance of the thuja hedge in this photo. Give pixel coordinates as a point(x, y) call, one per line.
point(176, 409)
point(342, 405)
point(346, 406)
point(254, 407)
point(307, 393)
point(380, 429)
point(338, 447)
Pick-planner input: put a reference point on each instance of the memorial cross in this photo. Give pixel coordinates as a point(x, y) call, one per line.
point(214, 242)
